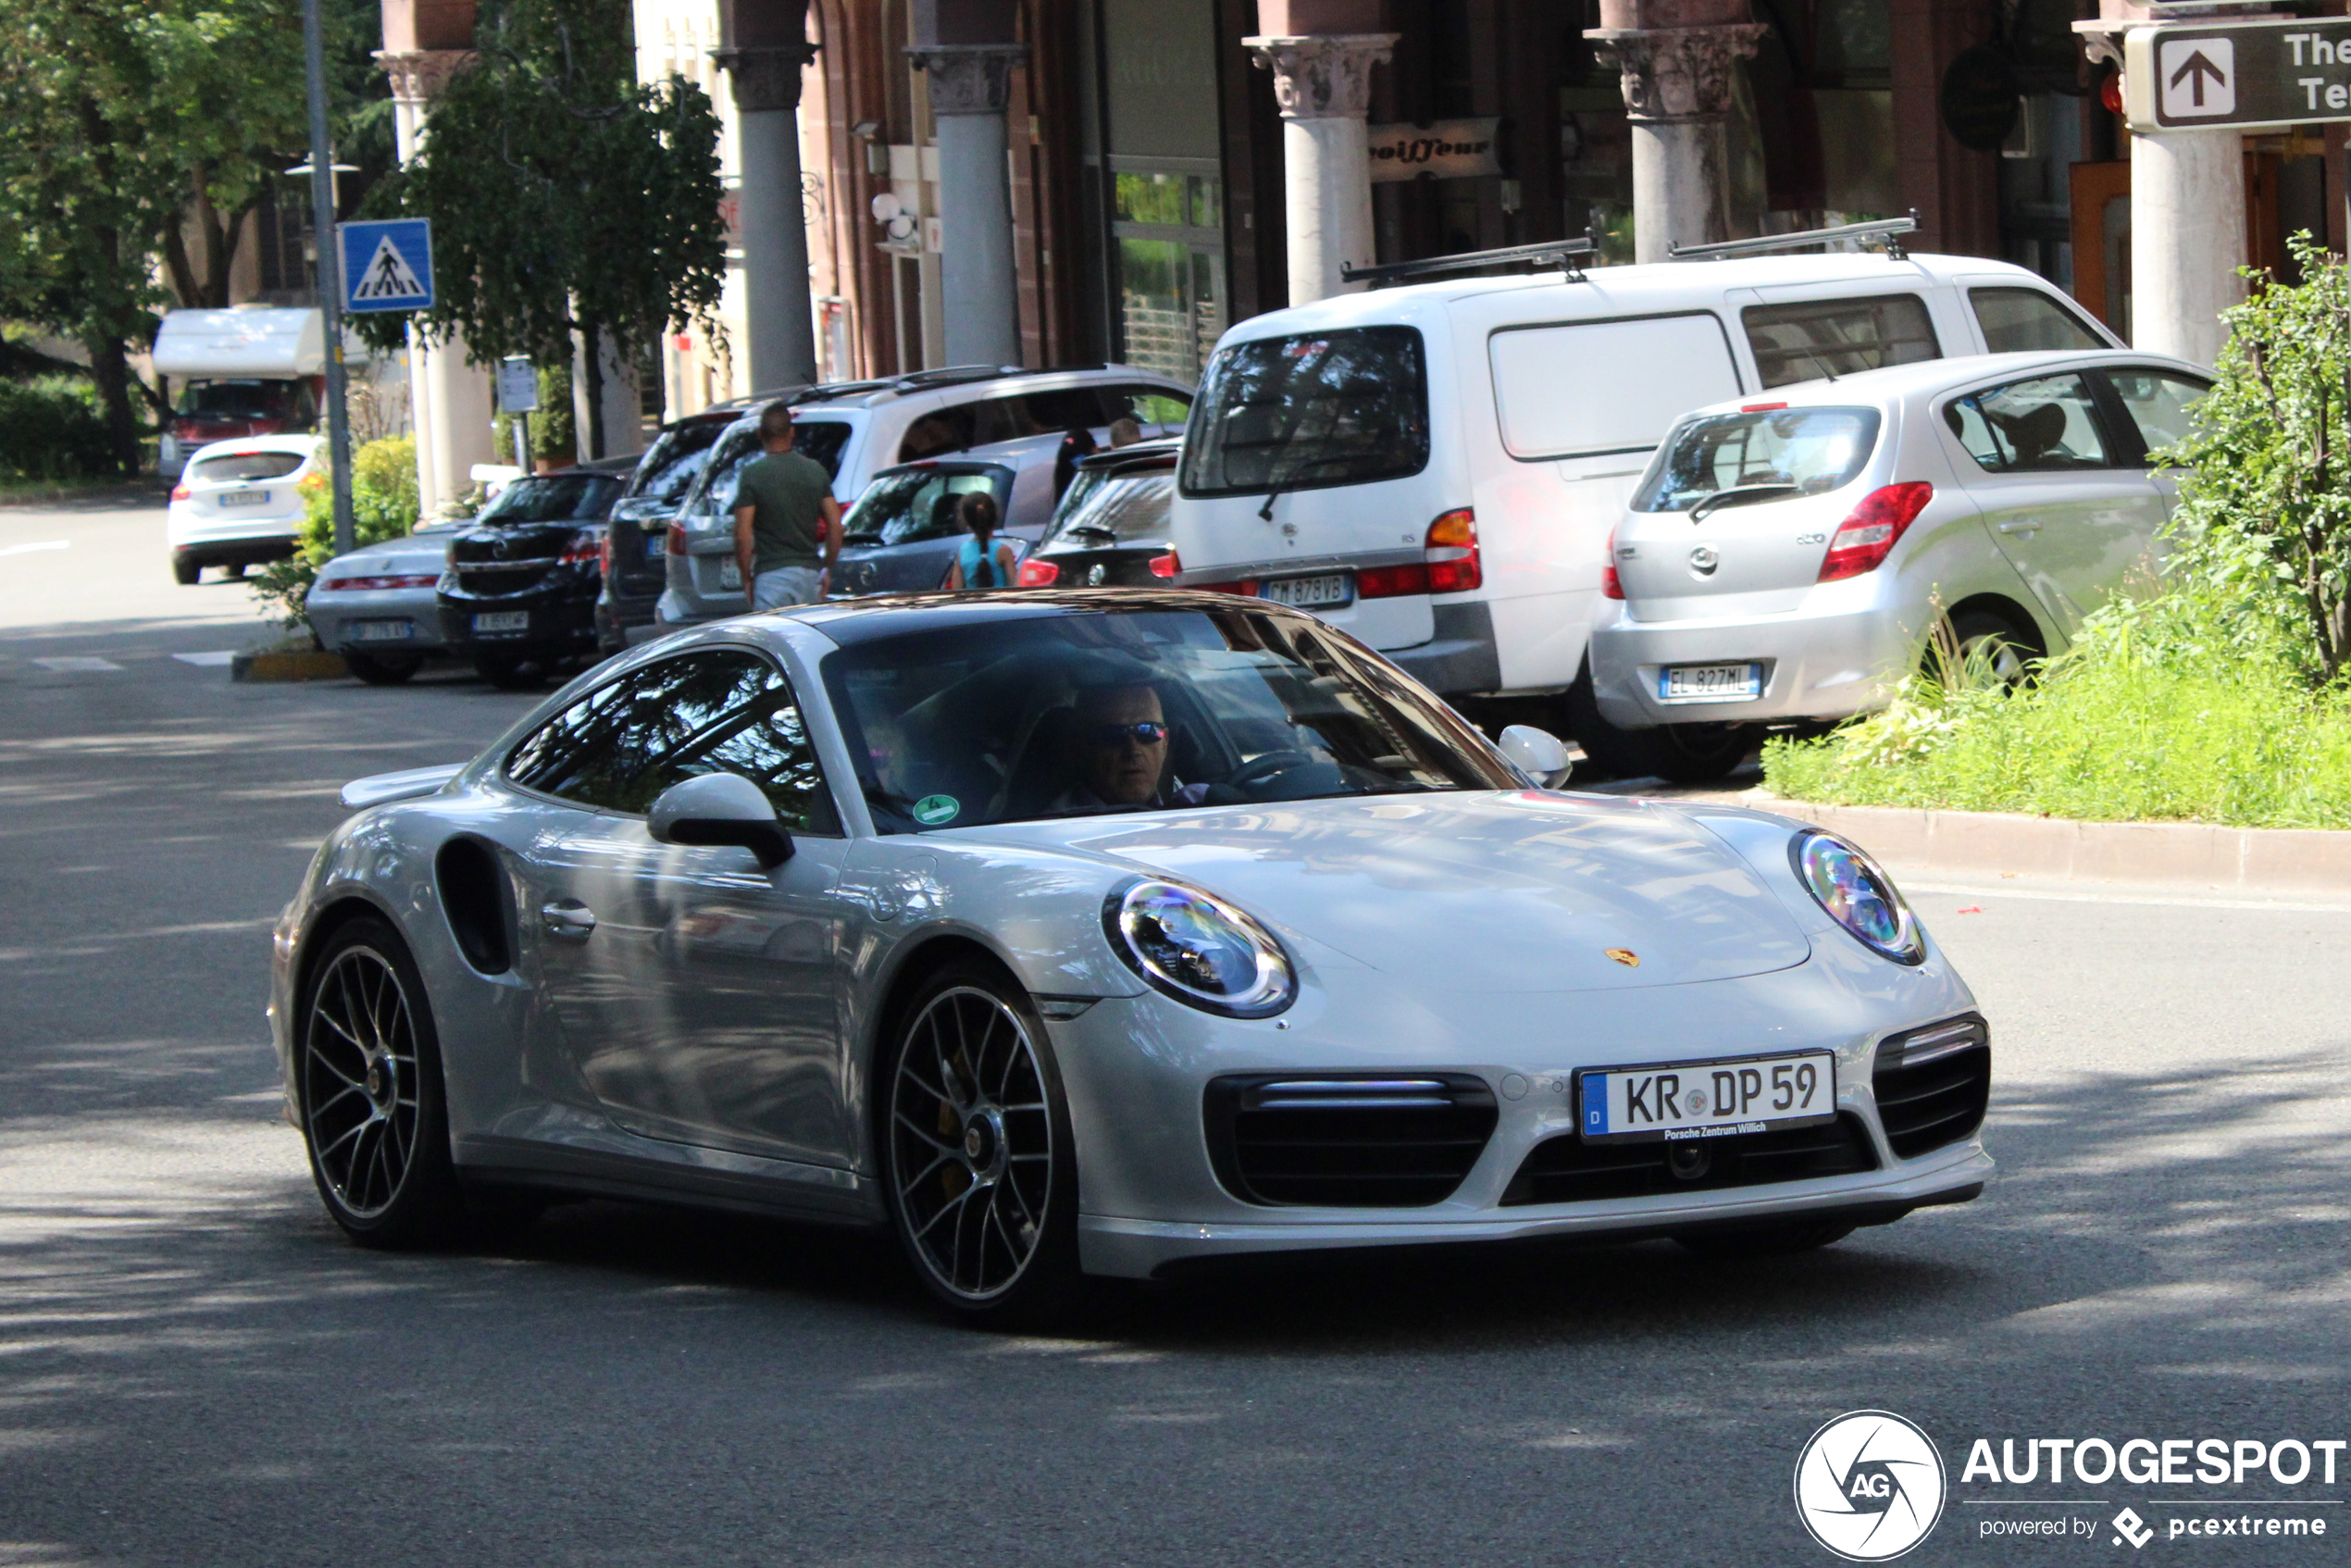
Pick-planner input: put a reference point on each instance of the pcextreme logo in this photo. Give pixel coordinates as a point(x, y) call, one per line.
point(1869, 1485)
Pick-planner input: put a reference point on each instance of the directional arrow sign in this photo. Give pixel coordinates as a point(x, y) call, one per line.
point(2183, 75)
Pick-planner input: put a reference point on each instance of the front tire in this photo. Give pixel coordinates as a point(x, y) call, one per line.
point(367, 1073)
point(977, 1157)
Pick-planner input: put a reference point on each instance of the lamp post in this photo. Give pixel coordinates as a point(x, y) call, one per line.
point(330, 272)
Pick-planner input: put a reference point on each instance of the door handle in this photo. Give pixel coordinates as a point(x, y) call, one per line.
point(568, 919)
point(2031, 525)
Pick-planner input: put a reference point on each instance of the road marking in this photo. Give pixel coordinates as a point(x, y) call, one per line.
point(72, 665)
point(211, 661)
point(27, 549)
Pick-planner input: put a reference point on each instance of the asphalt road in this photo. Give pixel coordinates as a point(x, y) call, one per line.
point(195, 1369)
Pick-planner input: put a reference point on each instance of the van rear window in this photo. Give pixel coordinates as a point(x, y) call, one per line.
point(1309, 412)
point(1592, 387)
point(1819, 338)
point(1770, 456)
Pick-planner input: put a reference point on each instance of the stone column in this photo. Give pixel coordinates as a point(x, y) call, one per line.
point(780, 340)
point(1676, 58)
point(449, 401)
point(1322, 85)
point(2188, 239)
point(969, 86)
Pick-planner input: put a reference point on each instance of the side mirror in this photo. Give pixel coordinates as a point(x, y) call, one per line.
point(722, 808)
point(1538, 753)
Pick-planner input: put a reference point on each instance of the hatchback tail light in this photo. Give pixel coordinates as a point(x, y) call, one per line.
point(1866, 538)
point(1453, 562)
point(1612, 586)
point(181, 493)
point(1036, 574)
point(1166, 566)
point(586, 549)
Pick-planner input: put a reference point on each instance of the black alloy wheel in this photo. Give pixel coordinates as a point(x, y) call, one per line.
point(976, 1152)
point(382, 669)
point(367, 1073)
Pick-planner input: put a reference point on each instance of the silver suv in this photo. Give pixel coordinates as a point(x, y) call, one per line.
point(1020, 418)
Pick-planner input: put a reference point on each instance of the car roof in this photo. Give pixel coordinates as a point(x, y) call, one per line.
point(1160, 452)
point(1932, 377)
point(853, 621)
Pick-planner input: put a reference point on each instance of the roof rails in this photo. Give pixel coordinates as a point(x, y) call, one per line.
point(824, 391)
point(1889, 229)
point(1562, 254)
point(947, 376)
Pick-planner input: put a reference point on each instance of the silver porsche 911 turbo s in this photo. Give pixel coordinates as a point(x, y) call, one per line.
point(1095, 933)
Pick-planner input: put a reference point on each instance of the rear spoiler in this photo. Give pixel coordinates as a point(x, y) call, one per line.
point(380, 789)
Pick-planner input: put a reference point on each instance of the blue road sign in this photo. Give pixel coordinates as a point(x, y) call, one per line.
point(387, 265)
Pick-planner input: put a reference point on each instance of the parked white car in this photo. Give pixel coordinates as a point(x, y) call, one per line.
point(1436, 468)
point(377, 606)
point(1788, 558)
point(237, 503)
point(1026, 420)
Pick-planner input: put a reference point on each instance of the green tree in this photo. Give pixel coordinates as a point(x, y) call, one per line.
point(564, 197)
point(2265, 494)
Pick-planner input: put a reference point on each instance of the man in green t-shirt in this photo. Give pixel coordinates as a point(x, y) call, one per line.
point(780, 502)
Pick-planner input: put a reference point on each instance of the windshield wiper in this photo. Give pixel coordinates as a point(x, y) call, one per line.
point(1093, 529)
point(1266, 513)
point(1740, 495)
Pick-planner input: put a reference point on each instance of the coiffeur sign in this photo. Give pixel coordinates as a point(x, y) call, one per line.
point(1451, 149)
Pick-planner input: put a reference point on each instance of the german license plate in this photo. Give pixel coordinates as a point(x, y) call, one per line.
point(381, 632)
point(502, 620)
point(1706, 1099)
point(1714, 683)
point(730, 576)
point(1307, 593)
point(241, 498)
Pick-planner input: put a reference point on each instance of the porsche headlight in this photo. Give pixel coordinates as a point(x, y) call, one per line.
point(1199, 950)
point(1857, 896)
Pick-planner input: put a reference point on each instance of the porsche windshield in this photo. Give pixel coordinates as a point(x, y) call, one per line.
point(1147, 710)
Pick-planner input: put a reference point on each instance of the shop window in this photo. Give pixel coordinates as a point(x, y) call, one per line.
point(1804, 342)
point(1168, 229)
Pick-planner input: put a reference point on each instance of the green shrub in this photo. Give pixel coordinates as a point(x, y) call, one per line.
point(53, 428)
point(384, 504)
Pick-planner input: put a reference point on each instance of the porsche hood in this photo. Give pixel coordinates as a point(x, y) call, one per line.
point(1491, 894)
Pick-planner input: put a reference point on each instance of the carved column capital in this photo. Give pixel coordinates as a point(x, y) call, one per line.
point(1322, 76)
point(766, 78)
point(419, 75)
point(968, 79)
point(1678, 74)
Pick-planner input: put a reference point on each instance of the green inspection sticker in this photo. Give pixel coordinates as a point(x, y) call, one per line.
point(932, 810)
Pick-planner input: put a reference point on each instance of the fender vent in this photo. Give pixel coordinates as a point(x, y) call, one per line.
point(1398, 1141)
point(1933, 1085)
point(474, 898)
point(1567, 1170)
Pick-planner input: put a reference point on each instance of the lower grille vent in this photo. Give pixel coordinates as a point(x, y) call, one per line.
point(1933, 1085)
point(1567, 1170)
point(1354, 1142)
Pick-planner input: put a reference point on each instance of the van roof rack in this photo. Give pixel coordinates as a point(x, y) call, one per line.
point(1889, 229)
point(948, 374)
point(1562, 254)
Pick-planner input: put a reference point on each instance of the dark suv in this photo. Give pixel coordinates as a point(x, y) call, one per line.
point(519, 596)
point(1111, 523)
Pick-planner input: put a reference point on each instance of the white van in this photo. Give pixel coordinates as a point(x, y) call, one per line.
point(1436, 468)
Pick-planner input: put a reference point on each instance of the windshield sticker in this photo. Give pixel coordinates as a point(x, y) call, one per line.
point(932, 810)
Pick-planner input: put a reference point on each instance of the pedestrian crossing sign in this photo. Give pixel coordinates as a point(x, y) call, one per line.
point(387, 265)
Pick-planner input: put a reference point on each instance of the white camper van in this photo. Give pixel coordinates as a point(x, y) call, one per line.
point(249, 370)
point(1436, 468)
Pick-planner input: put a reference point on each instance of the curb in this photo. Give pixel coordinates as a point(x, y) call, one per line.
point(288, 666)
point(2249, 860)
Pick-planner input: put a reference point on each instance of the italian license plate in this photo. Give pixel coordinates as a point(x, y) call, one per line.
point(1679, 1101)
point(1307, 593)
point(381, 632)
point(241, 498)
point(730, 576)
point(502, 620)
point(655, 545)
point(1718, 682)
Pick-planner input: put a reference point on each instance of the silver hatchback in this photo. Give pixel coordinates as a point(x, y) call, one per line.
point(1787, 557)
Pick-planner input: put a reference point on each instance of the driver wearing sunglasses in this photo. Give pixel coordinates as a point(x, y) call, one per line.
point(1118, 752)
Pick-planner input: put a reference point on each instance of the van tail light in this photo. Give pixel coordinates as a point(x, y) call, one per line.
point(1865, 538)
point(1453, 562)
point(1166, 566)
point(1391, 582)
point(1036, 574)
point(586, 549)
point(181, 493)
point(1611, 587)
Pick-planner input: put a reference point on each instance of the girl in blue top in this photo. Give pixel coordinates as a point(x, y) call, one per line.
point(982, 561)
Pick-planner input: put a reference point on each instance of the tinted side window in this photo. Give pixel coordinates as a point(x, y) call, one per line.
point(1804, 342)
point(2163, 406)
point(1145, 405)
point(2047, 423)
point(940, 432)
point(1301, 412)
point(723, 711)
point(821, 440)
point(2021, 320)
